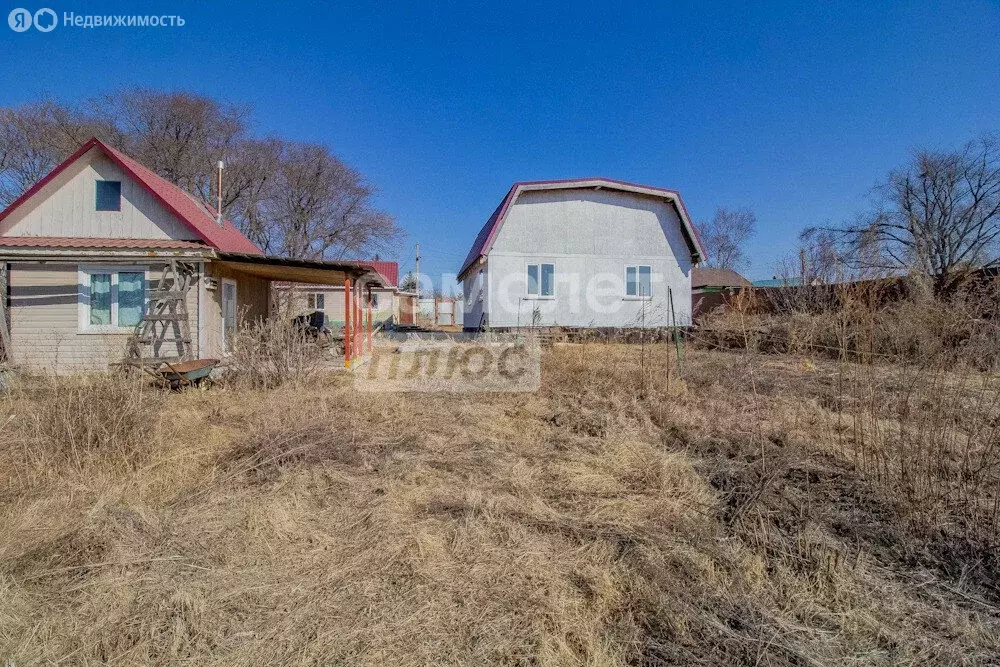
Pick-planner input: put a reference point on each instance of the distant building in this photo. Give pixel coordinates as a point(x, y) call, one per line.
point(777, 282)
point(712, 288)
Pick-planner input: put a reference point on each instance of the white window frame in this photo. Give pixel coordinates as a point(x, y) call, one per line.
point(637, 297)
point(315, 297)
point(83, 297)
point(527, 282)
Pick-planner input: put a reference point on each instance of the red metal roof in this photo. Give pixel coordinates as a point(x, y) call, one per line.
point(388, 270)
point(190, 211)
point(489, 231)
point(66, 242)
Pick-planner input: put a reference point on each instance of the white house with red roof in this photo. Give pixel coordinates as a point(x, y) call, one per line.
point(81, 251)
point(588, 253)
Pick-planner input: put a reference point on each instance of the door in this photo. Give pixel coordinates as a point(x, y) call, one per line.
point(228, 313)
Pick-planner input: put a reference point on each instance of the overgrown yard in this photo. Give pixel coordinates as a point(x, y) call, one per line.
point(764, 510)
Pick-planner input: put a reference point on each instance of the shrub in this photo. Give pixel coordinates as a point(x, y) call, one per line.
point(273, 352)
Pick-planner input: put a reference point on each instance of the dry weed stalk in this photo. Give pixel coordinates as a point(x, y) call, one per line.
point(272, 352)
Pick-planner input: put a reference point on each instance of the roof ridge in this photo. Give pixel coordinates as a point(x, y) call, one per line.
point(489, 230)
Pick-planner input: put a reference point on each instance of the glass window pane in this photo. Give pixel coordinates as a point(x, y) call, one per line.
point(311, 301)
point(548, 271)
point(532, 279)
point(320, 301)
point(645, 284)
point(630, 286)
point(109, 196)
point(100, 298)
point(131, 298)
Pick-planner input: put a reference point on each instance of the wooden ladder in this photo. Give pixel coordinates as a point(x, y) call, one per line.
point(165, 321)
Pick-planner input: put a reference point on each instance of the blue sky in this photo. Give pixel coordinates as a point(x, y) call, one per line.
point(793, 110)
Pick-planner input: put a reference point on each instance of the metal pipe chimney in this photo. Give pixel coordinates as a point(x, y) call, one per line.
point(218, 209)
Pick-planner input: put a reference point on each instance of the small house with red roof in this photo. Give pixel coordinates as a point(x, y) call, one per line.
point(81, 253)
point(384, 300)
point(585, 253)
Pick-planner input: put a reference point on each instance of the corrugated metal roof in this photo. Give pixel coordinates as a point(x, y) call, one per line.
point(66, 242)
point(388, 270)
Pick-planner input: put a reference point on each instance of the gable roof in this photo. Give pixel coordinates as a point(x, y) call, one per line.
point(388, 270)
point(197, 216)
point(484, 240)
point(705, 277)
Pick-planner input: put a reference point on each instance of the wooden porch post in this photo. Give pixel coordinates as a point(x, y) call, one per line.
point(369, 307)
point(358, 346)
point(348, 306)
point(4, 331)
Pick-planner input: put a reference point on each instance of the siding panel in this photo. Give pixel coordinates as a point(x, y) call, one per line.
point(44, 317)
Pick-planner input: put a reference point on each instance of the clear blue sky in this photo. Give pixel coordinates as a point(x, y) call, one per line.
point(794, 111)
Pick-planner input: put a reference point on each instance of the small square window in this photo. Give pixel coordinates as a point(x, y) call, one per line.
point(316, 301)
point(638, 281)
point(109, 195)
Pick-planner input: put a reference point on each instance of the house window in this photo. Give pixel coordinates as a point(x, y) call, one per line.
point(374, 300)
point(316, 301)
point(111, 299)
point(637, 281)
point(109, 195)
point(541, 280)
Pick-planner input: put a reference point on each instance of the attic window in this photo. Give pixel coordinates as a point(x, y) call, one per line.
point(109, 195)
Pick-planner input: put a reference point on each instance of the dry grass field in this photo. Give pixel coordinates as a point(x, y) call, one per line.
point(747, 510)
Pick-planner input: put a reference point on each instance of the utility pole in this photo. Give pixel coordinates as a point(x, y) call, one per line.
point(416, 270)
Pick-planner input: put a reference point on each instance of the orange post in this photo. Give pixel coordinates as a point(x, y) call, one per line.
point(359, 325)
point(369, 304)
point(347, 322)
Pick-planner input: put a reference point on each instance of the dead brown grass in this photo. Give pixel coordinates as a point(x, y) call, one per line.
point(615, 517)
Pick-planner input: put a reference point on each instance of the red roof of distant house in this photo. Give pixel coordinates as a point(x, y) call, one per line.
point(197, 216)
point(388, 270)
point(66, 242)
point(488, 233)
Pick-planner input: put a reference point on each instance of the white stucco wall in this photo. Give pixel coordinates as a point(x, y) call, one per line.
point(590, 236)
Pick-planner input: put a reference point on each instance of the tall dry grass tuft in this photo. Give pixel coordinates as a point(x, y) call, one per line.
point(269, 353)
point(91, 420)
point(916, 406)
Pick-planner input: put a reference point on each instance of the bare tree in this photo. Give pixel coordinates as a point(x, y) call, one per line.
point(938, 216)
point(320, 207)
point(33, 139)
point(726, 236)
point(293, 199)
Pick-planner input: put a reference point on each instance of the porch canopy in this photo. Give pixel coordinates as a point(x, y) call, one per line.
point(312, 271)
point(357, 278)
